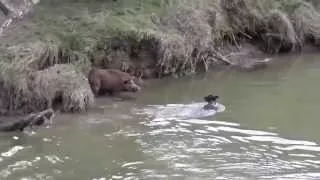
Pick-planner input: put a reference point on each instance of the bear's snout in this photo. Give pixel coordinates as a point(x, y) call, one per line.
point(132, 86)
point(137, 88)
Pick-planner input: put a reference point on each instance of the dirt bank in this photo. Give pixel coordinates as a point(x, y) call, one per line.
point(148, 38)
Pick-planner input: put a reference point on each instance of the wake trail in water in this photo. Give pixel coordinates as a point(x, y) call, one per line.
point(194, 146)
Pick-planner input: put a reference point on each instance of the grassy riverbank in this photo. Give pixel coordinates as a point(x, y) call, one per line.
point(153, 38)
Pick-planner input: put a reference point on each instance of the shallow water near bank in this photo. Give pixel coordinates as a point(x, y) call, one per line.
point(269, 130)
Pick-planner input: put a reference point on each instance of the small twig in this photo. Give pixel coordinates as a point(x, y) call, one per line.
point(205, 64)
point(245, 34)
point(235, 42)
point(235, 54)
point(223, 59)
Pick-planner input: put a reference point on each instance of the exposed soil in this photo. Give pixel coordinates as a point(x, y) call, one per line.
point(241, 34)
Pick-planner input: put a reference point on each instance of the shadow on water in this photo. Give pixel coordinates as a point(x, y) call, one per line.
point(269, 130)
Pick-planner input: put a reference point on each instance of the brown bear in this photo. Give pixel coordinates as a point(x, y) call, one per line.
point(111, 81)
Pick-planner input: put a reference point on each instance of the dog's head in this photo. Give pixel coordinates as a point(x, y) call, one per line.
point(211, 98)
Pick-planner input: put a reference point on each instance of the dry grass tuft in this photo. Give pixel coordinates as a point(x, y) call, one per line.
point(183, 41)
point(170, 37)
point(25, 90)
point(183, 45)
point(62, 82)
point(41, 55)
point(306, 21)
point(280, 35)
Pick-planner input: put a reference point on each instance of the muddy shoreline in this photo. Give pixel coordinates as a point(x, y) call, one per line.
point(245, 57)
point(247, 52)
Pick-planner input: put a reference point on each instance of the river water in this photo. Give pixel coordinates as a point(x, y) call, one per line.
point(269, 130)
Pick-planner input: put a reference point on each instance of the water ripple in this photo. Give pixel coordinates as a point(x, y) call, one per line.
point(225, 149)
point(17, 166)
point(12, 151)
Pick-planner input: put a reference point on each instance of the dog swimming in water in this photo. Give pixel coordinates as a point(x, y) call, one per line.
point(212, 102)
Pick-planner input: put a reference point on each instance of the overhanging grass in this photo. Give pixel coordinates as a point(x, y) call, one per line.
point(172, 37)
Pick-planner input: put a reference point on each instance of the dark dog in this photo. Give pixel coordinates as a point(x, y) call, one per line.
point(211, 98)
point(212, 102)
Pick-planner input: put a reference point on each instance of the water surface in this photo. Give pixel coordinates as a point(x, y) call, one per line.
point(269, 130)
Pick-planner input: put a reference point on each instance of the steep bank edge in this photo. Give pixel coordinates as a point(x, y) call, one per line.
point(171, 42)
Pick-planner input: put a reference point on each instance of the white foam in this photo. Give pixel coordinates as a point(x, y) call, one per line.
point(302, 155)
point(12, 151)
point(240, 138)
point(243, 131)
point(278, 140)
point(180, 165)
point(169, 130)
point(185, 124)
point(47, 140)
point(99, 179)
point(196, 121)
point(294, 176)
point(299, 147)
point(117, 177)
point(19, 165)
point(201, 131)
point(313, 161)
point(15, 137)
point(219, 139)
point(212, 129)
point(161, 123)
point(132, 163)
point(193, 110)
point(201, 121)
point(225, 123)
point(54, 159)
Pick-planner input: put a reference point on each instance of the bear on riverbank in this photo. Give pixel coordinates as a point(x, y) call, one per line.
point(111, 81)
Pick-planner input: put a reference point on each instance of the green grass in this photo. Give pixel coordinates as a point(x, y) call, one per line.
point(174, 36)
point(79, 23)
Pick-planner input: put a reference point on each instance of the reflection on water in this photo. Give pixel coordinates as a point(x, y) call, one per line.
point(268, 130)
